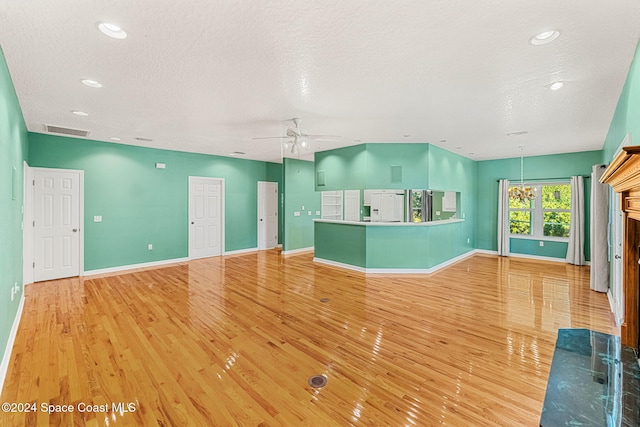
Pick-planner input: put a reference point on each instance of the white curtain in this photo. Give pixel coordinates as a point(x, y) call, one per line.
point(599, 231)
point(503, 217)
point(575, 251)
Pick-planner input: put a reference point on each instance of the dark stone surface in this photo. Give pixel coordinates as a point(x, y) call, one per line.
point(594, 381)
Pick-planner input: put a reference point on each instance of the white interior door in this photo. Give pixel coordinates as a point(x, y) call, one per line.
point(267, 215)
point(616, 288)
point(206, 222)
point(352, 205)
point(56, 223)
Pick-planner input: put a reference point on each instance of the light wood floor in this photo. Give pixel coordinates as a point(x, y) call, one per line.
point(232, 341)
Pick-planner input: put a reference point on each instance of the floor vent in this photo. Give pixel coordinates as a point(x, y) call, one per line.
point(66, 131)
point(317, 381)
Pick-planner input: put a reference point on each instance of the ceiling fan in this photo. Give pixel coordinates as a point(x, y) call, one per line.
point(298, 139)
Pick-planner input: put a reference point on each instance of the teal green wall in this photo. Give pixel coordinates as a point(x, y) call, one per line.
point(535, 168)
point(274, 174)
point(298, 192)
point(625, 120)
point(344, 168)
point(390, 247)
point(368, 166)
point(140, 204)
point(343, 243)
point(424, 166)
point(414, 159)
point(13, 154)
point(452, 172)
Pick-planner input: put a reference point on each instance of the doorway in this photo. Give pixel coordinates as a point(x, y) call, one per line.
point(267, 215)
point(57, 221)
point(206, 217)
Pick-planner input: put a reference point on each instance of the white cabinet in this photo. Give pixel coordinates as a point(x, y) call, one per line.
point(352, 205)
point(332, 205)
point(449, 201)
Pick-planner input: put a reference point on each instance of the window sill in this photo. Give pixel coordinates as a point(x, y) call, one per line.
point(540, 239)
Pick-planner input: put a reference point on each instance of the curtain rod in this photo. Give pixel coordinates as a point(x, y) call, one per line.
point(546, 179)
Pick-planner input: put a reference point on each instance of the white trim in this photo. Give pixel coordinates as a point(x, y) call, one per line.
point(298, 251)
point(391, 224)
point(28, 252)
point(222, 208)
point(486, 252)
point(339, 264)
point(538, 258)
point(134, 266)
point(617, 318)
point(242, 251)
point(397, 270)
point(544, 239)
point(6, 358)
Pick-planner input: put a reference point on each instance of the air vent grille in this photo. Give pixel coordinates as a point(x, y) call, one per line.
point(66, 131)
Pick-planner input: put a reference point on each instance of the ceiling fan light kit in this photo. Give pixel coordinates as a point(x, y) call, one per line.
point(296, 138)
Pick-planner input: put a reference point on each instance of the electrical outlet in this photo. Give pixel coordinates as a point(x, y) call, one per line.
point(97, 218)
point(541, 243)
point(296, 213)
point(309, 213)
point(302, 208)
point(317, 213)
point(150, 247)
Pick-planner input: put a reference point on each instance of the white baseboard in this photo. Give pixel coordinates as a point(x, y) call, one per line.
point(527, 256)
point(339, 264)
point(396, 270)
point(486, 252)
point(134, 266)
point(6, 358)
point(241, 251)
point(298, 251)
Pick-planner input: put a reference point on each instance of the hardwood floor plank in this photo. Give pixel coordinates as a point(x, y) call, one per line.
point(233, 341)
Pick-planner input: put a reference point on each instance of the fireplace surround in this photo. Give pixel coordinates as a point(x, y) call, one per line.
point(623, 175)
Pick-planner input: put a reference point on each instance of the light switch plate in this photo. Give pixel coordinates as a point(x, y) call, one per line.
point(309, 213)
point(317, 213)
point(97, 218)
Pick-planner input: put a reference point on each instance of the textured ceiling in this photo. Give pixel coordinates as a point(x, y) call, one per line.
point(209, 76)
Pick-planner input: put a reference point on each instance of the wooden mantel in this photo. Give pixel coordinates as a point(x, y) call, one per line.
point(623, 174)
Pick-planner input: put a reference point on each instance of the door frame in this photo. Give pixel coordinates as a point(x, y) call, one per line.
point(259, 246)
point(28, 234)
point(222, 219)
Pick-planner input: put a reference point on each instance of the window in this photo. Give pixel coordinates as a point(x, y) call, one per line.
point(417, 206)
point(548, 216)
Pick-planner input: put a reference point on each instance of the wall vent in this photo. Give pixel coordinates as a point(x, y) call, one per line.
point(66, 131)
point(139, 138)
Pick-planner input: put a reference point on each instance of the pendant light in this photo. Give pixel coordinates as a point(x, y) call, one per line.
point(522, 193)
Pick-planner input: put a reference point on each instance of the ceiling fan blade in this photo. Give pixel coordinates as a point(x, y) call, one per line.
point(327, 137)
point(292, 132)
point(271, 137)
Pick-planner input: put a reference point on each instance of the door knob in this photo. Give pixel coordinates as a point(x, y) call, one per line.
point(192, 222)
point(74, 230)
point(617, 257)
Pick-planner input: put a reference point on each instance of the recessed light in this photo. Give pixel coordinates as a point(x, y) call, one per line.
point(237, 153)
point(138, 138)
point(471, 154)
point(556, 85)
point(544, 37)
point(80, 113)
point(357, 140)
point(406, 135)
point(91, 83)
point(443, 140)
point(112, 30)
point(458, 148)
point(114, 138)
